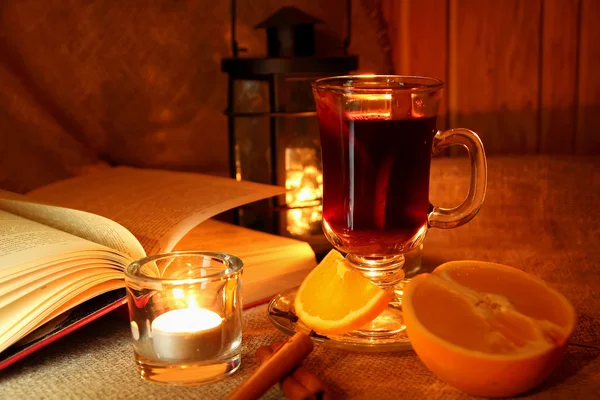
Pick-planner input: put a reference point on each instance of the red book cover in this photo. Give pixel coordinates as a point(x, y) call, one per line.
point(75, 319)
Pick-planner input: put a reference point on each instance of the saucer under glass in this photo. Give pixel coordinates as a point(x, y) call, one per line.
point(282, 315)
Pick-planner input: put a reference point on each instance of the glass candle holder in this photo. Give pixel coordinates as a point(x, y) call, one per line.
point(185, 313)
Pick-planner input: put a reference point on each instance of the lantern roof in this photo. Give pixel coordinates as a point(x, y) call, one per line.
point(288, 16)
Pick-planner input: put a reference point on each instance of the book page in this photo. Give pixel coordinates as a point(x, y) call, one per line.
point(25, 284)
point(52, 264)
point(158, 207)
point(23, 315)
point(272, 263)
point(23, 241)
point(215, 235)
point(92, 227)
point(86, 295)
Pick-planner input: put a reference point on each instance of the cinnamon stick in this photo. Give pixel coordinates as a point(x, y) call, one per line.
point(293, 390)
point(274, 369)
point(305, 377)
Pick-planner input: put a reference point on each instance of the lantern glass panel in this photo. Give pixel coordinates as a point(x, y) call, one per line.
point(251, 96)
point(299, 170)
point(253, 148)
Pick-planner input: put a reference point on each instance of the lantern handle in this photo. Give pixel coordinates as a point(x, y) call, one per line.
point(348, 26)
point(234, 43)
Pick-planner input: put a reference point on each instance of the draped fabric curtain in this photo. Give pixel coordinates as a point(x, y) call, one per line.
point(87, 84)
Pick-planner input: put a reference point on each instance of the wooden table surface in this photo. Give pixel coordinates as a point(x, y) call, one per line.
point(541, 214)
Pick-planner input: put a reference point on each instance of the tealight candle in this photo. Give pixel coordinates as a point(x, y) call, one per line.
point(186, 319)
point(187, 334)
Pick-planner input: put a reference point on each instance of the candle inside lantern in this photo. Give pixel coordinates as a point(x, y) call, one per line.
point(304, 182)
point(187, 334)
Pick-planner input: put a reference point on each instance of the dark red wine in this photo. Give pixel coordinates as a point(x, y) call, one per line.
point(375, 180)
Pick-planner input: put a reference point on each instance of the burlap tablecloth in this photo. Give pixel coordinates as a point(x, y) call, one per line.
point(541, 214)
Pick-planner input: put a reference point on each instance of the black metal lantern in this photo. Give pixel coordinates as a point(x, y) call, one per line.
point(272, 125)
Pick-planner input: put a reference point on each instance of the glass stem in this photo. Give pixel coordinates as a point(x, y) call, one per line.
point(385, 272)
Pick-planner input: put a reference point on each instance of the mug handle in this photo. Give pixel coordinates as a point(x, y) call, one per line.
point(447, 218)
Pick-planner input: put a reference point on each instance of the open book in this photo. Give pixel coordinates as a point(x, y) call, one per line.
point(68, 243)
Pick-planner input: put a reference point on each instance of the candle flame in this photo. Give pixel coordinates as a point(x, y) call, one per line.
point(192, 303)
point(178, 293)
point(186, 320)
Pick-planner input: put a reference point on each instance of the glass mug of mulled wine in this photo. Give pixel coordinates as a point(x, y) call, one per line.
point(378, 133)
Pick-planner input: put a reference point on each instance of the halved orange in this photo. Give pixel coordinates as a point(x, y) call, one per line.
point(487, 329)
point(335, 298)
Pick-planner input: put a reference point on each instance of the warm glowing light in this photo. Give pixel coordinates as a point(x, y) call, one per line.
point(192, 303)
point(370, 96)
point(238, 163)
point(371, 105)
point(186, 320)
point(178, 293)
point(304, 182)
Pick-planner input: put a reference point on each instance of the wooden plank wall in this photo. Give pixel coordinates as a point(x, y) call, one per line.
point(524, 74)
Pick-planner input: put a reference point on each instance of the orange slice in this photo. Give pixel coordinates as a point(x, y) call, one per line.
point(487, 329)
point(334, 298)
